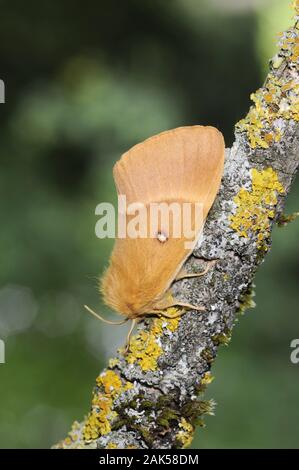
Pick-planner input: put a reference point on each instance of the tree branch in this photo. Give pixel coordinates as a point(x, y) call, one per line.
point(151, 397)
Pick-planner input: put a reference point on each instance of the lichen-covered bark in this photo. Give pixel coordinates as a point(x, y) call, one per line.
point(152, 396)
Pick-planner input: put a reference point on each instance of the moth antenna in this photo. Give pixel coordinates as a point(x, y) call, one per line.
point(104, 319)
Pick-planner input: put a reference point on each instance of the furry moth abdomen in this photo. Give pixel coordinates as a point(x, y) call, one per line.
point(181, 165)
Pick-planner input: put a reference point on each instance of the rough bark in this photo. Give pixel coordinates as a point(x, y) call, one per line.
point(152, 397)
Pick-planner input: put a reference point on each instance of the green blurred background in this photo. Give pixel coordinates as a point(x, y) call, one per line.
point(84, 82)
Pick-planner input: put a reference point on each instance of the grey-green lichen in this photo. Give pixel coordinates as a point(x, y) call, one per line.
point(246, 300)
point(284, 219)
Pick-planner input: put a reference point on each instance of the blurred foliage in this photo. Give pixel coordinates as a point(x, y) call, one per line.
point(84, 82)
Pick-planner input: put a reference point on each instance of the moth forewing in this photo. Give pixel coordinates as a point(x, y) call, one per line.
point(177, 167)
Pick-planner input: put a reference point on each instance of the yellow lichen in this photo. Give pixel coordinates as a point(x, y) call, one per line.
point(75, 432)
point(207, 378)
point(113, 362)
point(172, 323)
point(68, 441)
point(255, 208)
point(73, 439)
point(98, 422)
point(110, 381)
point(111, 445)
point(145, 350)
point(145, 347)
point(279, 98)
point(186, 433)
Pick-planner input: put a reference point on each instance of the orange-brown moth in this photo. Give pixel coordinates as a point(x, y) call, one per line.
point(181, 165)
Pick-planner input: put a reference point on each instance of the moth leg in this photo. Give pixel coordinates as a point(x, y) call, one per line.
point(166, 314)
point(189, 306)
point(169, 301)
point(178, 313)
point(127, 344)
point(183, 274)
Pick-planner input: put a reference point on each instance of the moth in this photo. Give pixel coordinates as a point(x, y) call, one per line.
point(183, 165)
